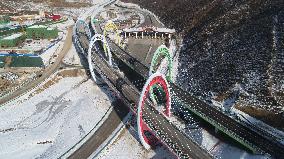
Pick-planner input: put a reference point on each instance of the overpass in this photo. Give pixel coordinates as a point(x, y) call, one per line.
point(157, 123)
point(257, 142)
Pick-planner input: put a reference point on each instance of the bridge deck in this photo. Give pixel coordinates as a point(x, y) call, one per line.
point(239, 132)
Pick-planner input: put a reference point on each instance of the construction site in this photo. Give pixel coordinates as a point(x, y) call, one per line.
point(30, 41)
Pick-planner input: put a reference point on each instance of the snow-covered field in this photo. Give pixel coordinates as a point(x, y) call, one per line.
point(47, 56)
point(72, 57)
point(49, 122)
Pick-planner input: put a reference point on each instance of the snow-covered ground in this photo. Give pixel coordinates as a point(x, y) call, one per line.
point(36, 45)
point(72, 57)
point(48, 55)
point(48, 122)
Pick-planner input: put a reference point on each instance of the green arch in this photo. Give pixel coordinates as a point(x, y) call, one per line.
point(162, 51)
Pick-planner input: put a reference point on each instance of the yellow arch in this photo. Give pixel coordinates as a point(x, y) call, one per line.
point(110, 26)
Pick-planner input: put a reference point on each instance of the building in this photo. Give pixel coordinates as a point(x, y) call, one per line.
point(20, 60)
point(26, 15)
point(12, 40)
point(135, 19)
point(41, 32)
point(154, 32)
point(21, 18)
point(111, 14)
point(55, 17)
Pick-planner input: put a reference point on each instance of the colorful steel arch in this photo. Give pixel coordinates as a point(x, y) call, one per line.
point(98, 37)
point(162, 51)
point(110, 26)
point(93, 21)
point(154, 79)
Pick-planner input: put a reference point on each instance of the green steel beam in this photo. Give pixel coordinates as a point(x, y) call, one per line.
point(220, 127)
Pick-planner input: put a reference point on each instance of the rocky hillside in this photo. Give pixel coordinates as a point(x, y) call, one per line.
point(233, 50)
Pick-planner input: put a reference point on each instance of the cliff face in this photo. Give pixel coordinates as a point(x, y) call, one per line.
point(231, 49)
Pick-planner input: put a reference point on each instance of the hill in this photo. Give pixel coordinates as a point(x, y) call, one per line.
point(233, 52)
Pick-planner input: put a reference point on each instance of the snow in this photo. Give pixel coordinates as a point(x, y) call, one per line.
point(9, 76)
point(49, 123)
point(135, 6)
point(14, 36)
point(72, 57)
point(63, 25)
point(47, 55)
point(127, 146)
point(38, 26)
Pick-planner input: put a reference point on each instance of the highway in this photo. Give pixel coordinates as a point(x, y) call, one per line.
point(150, 19)
point(255, 141)
point(179, 143)
point(258, 142)
point(168, 133)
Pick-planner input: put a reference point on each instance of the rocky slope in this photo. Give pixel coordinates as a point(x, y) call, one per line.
point(232, 50)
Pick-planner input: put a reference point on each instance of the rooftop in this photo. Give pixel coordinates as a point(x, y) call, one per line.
point(140, 29)
point(14, 36)
point(42, 26)
point(38, 26)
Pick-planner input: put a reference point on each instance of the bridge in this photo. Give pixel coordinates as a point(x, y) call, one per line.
point(182, 146)
point(150, 119)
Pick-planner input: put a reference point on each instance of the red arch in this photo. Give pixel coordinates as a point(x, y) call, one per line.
point(154, 79)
